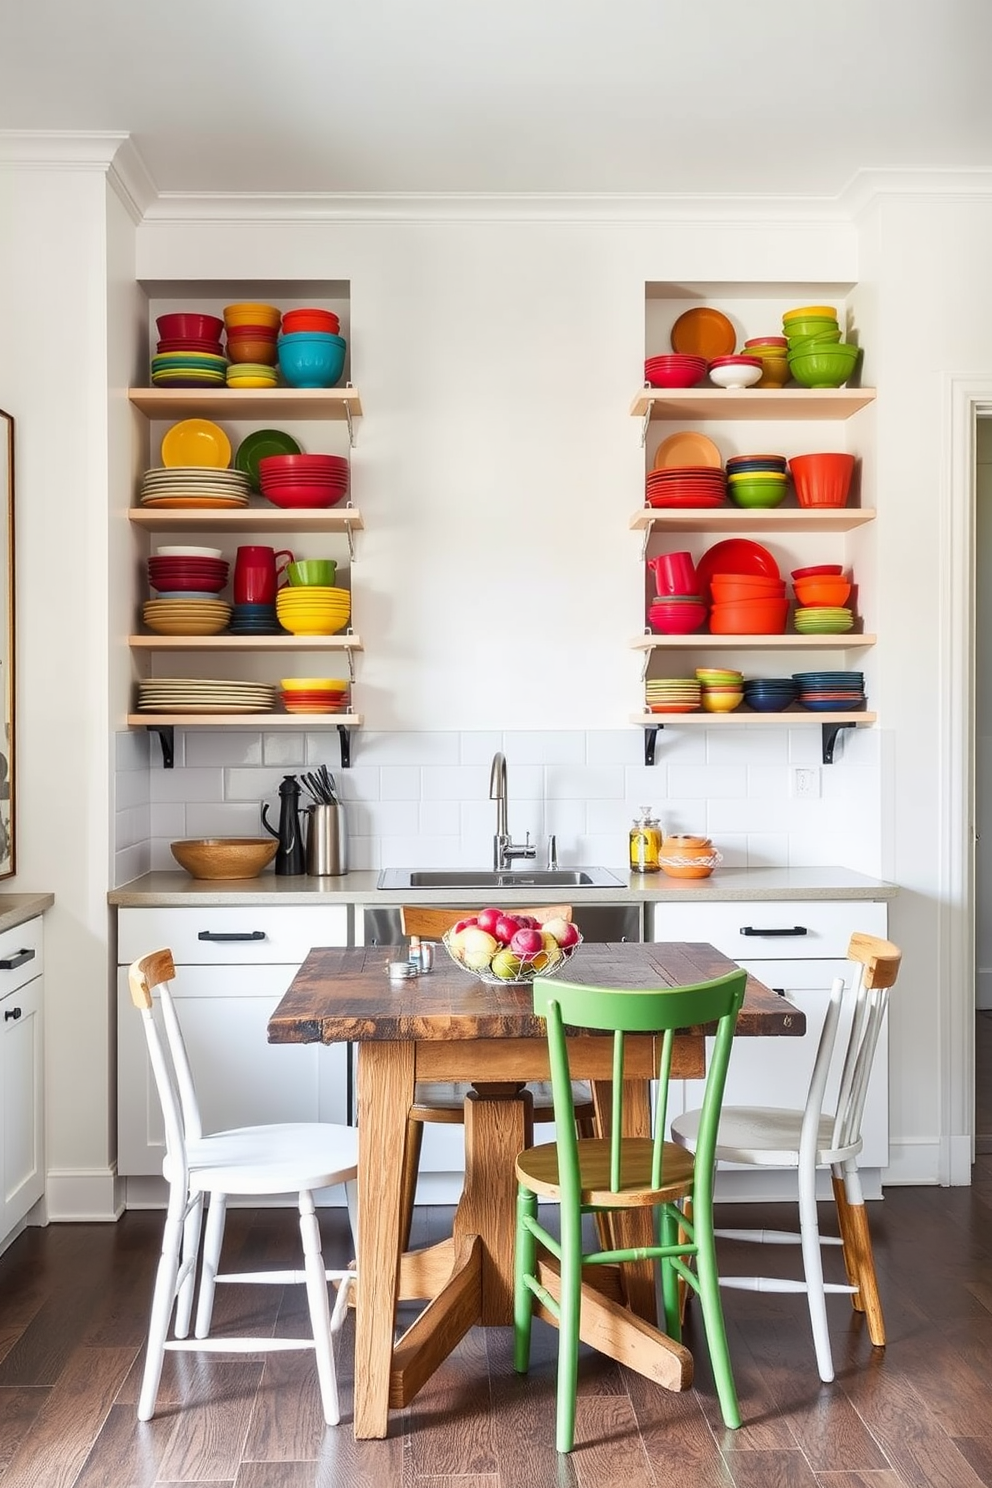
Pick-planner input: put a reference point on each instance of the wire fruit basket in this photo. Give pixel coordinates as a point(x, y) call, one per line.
point(519, 970)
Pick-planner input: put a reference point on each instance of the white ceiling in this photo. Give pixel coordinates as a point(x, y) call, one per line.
point(453, 96)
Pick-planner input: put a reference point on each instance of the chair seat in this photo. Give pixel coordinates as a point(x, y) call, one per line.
point(537, 1167)
point(763, 1137)
point(287, 1158)
point(444, 1101)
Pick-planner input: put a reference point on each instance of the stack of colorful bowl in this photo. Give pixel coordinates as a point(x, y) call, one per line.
point(252, 331)
point(255, 620)
point(303, 480)
point(821, 607)
point(676, 614)
point(674, 371)
point(770, 694)
point(722, 689)
point(755, 481)
point(672, 695)
point(314, 694)
point(189, 352)
point(831, 692)
point(747, 604)
point(771, 351)
point(310, 319)
point(816, 355)
point(686, 485)
point(313, 609)
point(192, 615)
point(189, 571)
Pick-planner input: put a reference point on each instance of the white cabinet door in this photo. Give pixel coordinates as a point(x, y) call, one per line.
point(22, 1120)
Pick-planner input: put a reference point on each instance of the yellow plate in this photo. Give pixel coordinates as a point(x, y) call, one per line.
point(198, 442)
point(804, 312)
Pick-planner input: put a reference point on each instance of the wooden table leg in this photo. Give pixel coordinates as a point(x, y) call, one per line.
point(499, 1123)
point(385, 1095)
point(633, 1227)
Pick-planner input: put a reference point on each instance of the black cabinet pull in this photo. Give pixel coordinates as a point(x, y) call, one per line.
point(9, 1013)
point(17, 960)
point(231, 935)
point(795, 930)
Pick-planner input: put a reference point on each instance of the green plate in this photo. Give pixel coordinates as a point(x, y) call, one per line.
point(258, 446)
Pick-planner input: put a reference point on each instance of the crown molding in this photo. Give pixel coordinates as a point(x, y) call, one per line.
point(131, 180)
point(926, 183)
point(56, 149)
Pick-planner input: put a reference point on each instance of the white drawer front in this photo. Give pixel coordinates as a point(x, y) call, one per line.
point(22, 949)
point(812, 928)
point(197, 935)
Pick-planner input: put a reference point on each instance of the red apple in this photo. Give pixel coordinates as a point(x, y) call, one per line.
point(526, 943)
point(506, 928)
point(527, 922)
point(486, 919)
point(464, 924)
point(563, 931)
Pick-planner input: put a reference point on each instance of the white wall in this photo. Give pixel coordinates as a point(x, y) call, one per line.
point(983, 716)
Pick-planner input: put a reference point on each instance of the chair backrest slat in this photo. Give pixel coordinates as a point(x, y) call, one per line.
point(424, 919)
point(143, 988)
point(568, 1005)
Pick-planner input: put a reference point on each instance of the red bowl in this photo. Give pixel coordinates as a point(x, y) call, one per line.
point(278, 464)
point(304, 496)
point(818, 570)
point(212, 348)
point(185, 326)
point(680, 619)
point(822, 479)
point(310, 320)
point(176, 582)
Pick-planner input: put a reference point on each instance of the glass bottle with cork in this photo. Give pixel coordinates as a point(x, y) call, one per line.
point(646, 838)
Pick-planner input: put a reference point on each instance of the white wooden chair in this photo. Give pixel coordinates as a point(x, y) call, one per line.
point(810, 1139)
point(262, 1161)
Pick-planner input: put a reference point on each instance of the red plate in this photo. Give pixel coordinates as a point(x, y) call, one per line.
point(674, 707)
point(735, 555)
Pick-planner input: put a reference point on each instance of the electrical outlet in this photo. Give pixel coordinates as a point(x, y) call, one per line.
point(806, 784)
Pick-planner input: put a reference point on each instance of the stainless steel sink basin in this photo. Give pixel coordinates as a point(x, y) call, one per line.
point(489, 878)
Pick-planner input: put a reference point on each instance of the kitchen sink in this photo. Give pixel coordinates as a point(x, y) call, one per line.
point(490, 878)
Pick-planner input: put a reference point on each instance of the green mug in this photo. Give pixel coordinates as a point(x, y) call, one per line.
point(308, 571)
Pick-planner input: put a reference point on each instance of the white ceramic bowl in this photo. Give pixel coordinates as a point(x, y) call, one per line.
point(731, 376)
point(188, 553)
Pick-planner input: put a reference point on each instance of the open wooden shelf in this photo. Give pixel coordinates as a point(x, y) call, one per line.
point(707, 642)
point(247, 519)
point(243, 720)
point(750, 403)
point(735, 519)
point(225, 642)
point(248, 403)
point(748, 715)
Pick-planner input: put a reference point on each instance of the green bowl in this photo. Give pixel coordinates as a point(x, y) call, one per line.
point(799, 328)
point(754, 494)
point(813, 343)
point(827, 368)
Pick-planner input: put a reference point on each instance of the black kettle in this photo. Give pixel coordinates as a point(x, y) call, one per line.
point(289, 858)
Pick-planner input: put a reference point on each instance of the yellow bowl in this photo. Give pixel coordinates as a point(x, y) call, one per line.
point(301, 625)
point(313, 684)
point(247, 312)
point(269, 382)
point(721, 702)
point(803, 312)
point(775, 374)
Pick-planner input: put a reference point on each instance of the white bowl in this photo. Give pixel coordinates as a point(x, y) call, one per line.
point(731, 376)
point(188, 553)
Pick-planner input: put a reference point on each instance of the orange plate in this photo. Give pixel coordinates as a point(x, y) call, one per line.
point(687, 449)
point(704, 332)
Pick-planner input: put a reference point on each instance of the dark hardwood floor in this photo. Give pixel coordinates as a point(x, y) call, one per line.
point(73, 1310)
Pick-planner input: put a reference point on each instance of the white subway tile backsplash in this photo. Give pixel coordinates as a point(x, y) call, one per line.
point(422, 799)
point(223, 747)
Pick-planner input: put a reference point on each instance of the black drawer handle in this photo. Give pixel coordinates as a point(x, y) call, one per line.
point(17, 960)
point(795, 930)
point(14, 1013)
point(231, 935)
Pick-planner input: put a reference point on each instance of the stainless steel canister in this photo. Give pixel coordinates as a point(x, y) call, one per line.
point(327, 841)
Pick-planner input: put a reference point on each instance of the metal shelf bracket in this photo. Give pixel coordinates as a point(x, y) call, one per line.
point(167, 738)
point(830, 732)
point(650, 739)
point(344, 736)
point(351, 426)
point(645, 421)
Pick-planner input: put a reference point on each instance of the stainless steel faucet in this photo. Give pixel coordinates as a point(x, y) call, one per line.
point(505, 850)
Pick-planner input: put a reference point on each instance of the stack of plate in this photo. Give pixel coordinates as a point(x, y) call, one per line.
point(672, 695)
point(688, 485)
point(204, 695)
point(193, 486)
point(186, 616)
point(313, 609)
point(770, 694)
point(255, 619)
point(251, 375)
point(303, 480)
point(823, 619)
point(188, 369)
point(831, 692)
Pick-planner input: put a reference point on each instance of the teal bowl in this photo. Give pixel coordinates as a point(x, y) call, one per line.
point(757, 494)
point(827, 368)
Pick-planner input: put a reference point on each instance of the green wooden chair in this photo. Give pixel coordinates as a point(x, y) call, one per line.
point(599, 1175)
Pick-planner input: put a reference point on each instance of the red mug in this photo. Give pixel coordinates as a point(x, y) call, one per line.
point(674, 573)
point(257, 571)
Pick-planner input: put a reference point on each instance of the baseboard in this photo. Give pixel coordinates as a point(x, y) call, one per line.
point(80, 1195)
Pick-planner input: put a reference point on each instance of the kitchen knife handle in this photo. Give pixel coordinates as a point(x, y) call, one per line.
point(231, 935)
point(795, 930)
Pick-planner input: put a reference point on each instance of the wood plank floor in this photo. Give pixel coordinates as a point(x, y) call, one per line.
point(73, 1310)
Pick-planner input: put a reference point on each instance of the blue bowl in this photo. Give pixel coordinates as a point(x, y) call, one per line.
point(765, 703)
point(311, 361)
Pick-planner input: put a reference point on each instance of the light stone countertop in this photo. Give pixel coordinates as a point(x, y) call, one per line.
point(173, 888)
point(15, 909)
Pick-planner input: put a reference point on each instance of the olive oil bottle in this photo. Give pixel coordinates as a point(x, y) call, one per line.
point(645, 843)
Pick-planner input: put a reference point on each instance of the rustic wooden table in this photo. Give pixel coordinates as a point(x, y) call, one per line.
point(448, 1025)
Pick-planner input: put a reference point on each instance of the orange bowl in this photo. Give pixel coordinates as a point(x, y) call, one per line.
point(824, 591)
point(822, 479)
point(727, 588)
point(686, 870)
point(749, 617)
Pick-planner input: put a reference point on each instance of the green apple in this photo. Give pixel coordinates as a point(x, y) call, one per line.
point(506, 965)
